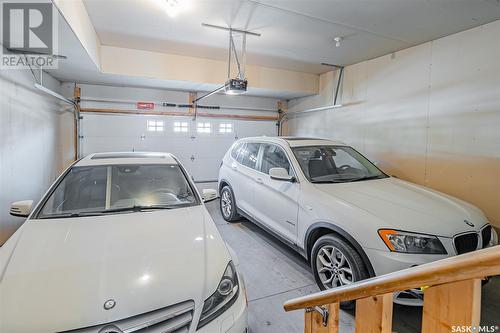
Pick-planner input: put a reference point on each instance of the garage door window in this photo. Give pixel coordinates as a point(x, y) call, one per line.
point(155, 126)
point(204, 128)
point(181, 127)
point(248, 155)
point(225, 128)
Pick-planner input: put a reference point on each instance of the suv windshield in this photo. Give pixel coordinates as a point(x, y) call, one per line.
point(97, 190)
point(335, 164)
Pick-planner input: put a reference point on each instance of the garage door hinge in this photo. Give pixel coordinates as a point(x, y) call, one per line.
point(80, 136)
point(80, 117)
point(322, 311)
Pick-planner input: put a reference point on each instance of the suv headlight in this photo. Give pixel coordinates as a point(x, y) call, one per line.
point(222, 298)
point(494, 237)
point(409, 242)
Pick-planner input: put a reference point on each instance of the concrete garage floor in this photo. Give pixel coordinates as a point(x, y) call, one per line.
point(274, 273)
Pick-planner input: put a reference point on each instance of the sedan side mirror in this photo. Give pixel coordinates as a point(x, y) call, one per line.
point(21, 208)
point(209, 194)
point(280, 174)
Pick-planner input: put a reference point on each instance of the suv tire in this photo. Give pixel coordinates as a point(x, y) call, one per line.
point(334, 263)
point(228, 207)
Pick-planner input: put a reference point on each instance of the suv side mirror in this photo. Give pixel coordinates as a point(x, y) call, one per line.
point(21, 208)
point(209, 194)
point(280, 174)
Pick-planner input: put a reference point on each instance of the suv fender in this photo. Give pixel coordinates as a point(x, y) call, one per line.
point(309, 241)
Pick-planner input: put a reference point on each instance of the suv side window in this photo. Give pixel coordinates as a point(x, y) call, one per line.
point(274, 157)
point(249, 154)
point(235, 151)
point(241, 152)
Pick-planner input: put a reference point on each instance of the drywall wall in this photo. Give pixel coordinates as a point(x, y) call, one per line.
point(33, 130)
point(429, 114)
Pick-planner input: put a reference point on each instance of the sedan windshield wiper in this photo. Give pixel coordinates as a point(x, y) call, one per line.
point(66, 215)
point(134, 208)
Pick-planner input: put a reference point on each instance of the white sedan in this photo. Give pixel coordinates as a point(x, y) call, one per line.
point(122, 242)
point(335, 207)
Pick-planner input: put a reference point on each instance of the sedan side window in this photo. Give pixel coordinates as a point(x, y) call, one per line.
point(274, 157)
point(248, 155)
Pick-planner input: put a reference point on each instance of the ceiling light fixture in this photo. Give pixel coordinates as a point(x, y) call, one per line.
point(174, 7)
point(338, 41)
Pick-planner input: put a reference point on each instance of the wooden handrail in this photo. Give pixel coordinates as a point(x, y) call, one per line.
point(473, 265)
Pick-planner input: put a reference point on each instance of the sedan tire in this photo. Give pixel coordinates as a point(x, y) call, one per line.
point(336, 263)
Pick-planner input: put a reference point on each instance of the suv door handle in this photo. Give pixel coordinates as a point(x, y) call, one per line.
point(259, 180)
point(234, 166)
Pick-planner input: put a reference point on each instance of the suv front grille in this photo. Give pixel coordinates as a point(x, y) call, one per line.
point(466, 242)
point(172, 319)
point(486, 235)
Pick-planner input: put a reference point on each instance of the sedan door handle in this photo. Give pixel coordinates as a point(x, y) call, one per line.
point(259, 180)
point(234, 166)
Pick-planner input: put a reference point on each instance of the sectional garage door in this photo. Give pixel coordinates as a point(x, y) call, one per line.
point(199, 144)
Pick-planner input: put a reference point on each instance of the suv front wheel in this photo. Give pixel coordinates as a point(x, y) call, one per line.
point(228, 204)
point(336, 263)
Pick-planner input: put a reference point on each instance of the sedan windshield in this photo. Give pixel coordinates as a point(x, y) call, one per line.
point(105, 189)
point(335, 164)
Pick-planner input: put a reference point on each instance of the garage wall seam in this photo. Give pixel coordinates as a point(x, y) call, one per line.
point(427, 120)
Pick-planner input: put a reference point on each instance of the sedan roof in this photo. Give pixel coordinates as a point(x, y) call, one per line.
point(127, 158)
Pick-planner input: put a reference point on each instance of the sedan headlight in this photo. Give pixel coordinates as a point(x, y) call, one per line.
point(409, 242)
point(222, 298)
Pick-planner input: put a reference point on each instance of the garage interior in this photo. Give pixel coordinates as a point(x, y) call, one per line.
point(413, 85)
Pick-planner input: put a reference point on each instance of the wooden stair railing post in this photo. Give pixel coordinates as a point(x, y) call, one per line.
point(374, 314)
point(314, 320)
point(451, 304)
point(453, 298)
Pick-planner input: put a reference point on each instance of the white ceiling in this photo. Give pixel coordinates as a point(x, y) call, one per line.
point(296, 35)
point(79, 68)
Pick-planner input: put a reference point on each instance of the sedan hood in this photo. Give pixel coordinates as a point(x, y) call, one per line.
point(405, 206)
point(58, 273)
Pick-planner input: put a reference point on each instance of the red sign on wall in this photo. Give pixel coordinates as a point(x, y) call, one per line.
point(145, 106)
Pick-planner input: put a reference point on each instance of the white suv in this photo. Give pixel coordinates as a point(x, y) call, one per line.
point(347, 217)
point(122, 242)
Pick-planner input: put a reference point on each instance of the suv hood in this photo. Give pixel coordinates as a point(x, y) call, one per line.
point(405, 206)
point(58, 273)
